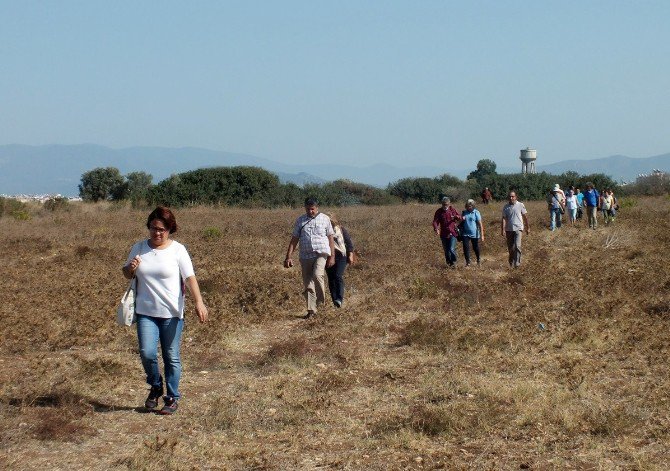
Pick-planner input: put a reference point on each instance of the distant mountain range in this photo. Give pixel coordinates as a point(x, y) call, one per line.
point(58, 168)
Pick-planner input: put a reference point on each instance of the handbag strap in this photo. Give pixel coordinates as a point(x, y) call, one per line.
point(308, 221)
point(130, 285)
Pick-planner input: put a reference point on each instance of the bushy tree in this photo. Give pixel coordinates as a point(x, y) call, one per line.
point(288, 194)
point(249, 186)
point(427, 190)
point(650, 185)
point(101, 184)
point(485, 167)
point(137, 186)
point(348, 193)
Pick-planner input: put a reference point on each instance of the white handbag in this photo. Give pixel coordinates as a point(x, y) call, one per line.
point(125, 313)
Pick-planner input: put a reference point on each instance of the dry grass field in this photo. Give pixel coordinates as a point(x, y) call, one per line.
point(561, 364)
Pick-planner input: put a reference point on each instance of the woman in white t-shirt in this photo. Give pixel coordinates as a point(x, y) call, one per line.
point(571, 206)
point(162, 267)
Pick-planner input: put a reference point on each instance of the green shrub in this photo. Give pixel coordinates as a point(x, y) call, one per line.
point(14, 208)
point(625, 203)
point(21, 215)
point(212, 233)
point(57, 203)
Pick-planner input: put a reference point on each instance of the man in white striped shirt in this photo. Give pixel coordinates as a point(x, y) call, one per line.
point(314, 231)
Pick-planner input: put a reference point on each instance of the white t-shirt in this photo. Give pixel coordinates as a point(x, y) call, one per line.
point(160, 276)
point(571, 202)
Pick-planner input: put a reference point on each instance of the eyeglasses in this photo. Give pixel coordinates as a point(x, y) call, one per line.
point(159, 230)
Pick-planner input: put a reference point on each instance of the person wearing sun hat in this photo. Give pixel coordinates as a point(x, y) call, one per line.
point(556, 205)
point(557, 188)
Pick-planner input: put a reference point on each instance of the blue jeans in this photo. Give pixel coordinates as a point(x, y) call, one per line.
point(336, 277)
point(555, 218)
point(151, 330)
point(449, 247)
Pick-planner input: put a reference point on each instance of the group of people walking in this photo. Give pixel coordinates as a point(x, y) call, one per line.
point(163, 269)
point(466, 226)
point(574, 202)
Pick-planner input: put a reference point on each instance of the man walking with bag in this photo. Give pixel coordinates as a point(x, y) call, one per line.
point(314, 232)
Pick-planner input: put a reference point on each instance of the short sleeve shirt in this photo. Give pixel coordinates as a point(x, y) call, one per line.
point(160, 277)
point(513, 215)
point(555, 200)
point(313, 234)
point(470, 219)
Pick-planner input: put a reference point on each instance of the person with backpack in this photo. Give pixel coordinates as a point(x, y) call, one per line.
point(472, 231)
point(607, 205)
point(615, 205)
point(314, 232)
point(556, 202)
point(445, 225)
point(592, 202)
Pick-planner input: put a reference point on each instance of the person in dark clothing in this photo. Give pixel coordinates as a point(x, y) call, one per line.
point(344, 255)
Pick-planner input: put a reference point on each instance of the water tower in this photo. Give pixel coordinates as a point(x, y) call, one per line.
point(528, 157)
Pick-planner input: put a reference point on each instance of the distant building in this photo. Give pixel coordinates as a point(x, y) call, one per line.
point(528, 157)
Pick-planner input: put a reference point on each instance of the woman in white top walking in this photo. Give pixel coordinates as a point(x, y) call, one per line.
point(162, 267)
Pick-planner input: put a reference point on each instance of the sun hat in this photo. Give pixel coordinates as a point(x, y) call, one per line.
point(556, 187)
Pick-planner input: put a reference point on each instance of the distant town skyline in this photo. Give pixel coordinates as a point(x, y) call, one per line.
point(433, 83)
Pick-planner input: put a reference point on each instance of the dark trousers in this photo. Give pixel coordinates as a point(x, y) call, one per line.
point(336, 277)
point(466, 248)
point(514, 247)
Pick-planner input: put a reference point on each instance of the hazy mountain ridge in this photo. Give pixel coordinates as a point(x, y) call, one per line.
point(58, 168)
point(619, 167)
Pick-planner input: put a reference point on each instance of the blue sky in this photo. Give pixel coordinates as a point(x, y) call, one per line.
point(356, 82)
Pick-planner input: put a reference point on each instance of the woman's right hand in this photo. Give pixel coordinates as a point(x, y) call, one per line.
point(132, 266)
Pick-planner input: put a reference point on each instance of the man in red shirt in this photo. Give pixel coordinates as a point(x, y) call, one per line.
point(445, 221)
point(487, 196)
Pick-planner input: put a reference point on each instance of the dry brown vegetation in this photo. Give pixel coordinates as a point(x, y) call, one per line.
point(561, 364)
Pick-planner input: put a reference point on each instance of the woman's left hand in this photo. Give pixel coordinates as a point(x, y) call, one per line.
point(201, 311)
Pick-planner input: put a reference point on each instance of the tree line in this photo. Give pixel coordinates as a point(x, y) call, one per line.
point(256, 187)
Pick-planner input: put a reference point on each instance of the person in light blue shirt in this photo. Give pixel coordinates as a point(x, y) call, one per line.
point(472, 231)
point(580, 203)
